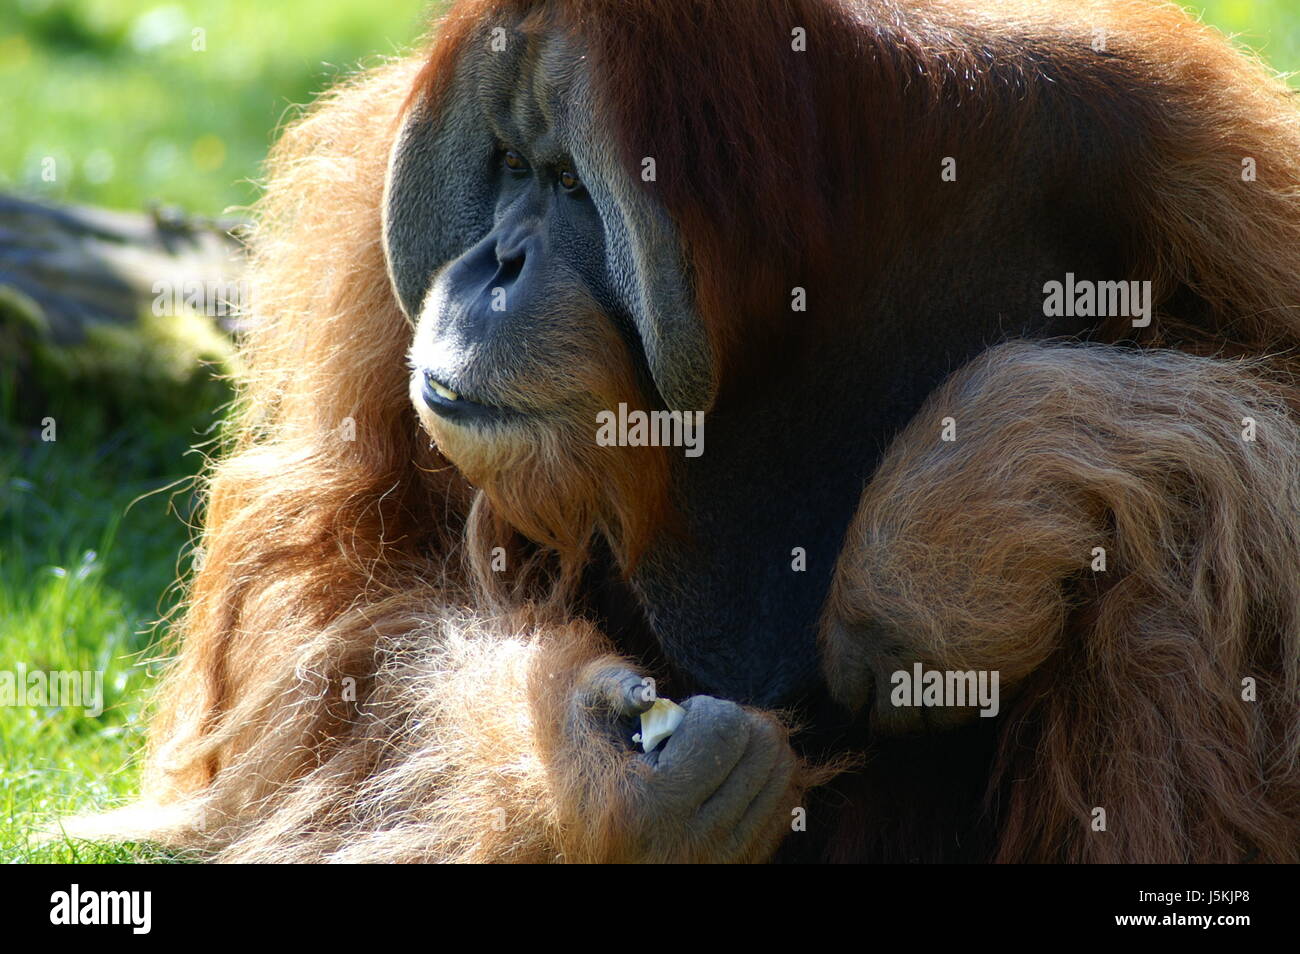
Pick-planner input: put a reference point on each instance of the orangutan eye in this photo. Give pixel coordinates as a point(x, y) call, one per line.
point(514, 161)
point(569, 181)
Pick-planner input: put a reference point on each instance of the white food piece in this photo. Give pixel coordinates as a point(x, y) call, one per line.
point(660, 721)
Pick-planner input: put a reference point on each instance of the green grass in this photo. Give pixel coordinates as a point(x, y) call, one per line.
point(131, 114)
point(1269, 27)
point(114, 92)
point(89, 546)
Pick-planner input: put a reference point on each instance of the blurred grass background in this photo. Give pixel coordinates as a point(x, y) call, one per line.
point(137, 107)
point(115, 91)
point(93, 525)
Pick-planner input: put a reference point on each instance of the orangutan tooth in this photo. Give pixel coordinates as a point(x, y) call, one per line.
point(446, 392)
point(660, 721)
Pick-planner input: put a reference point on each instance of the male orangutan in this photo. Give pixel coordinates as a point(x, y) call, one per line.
point(431, 602)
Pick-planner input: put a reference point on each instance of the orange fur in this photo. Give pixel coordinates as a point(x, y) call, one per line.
point(977, 554)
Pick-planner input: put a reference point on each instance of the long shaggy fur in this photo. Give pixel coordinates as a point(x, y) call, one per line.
point(977, 554)
point(342, 691)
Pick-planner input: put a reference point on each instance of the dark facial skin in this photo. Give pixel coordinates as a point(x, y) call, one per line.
point(517, 242)
point(546, 225)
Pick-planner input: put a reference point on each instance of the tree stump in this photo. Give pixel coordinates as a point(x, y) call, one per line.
point(88, 293)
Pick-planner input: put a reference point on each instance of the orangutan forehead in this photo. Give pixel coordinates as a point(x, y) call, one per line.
point(530, 78)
